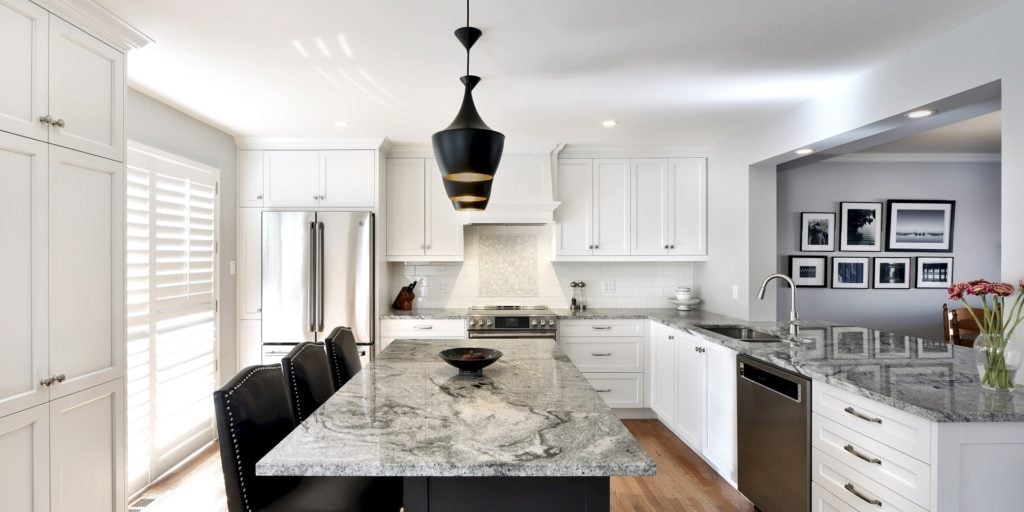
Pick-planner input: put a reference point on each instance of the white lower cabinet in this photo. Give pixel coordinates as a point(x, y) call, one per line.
point(619, 390)
point(824, 501)
point(691, 391)
point(663, 373)
point(720, 440)
point(67, 455)
point(401, 328)
point(611, 355)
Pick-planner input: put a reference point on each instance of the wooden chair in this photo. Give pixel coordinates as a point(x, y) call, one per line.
point(959, 327)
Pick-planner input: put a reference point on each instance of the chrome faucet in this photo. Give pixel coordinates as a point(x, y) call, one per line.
point(794, 319)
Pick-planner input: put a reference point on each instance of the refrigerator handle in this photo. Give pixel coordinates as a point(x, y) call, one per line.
point(311, 278)
point(320, 277)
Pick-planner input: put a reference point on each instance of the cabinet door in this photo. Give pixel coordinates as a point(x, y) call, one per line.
point(291, 178)
point(250, 272)
point(250, 179)
point(689, 206)
point(25, 452)
point(86, 279)
point(611, 207)
point(649, 201)
point(250, 348)
point(444, 225)
point(87, 450)
point(691, 391)
point(23, 186)
point(405, 222)
point(663, 373)
point(24, 61)
point(720, 448)
point(348, 179)
point(575, 215)
point(86, 92)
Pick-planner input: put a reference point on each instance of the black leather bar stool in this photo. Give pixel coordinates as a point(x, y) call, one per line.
point(307, 379)
point(343, 355)
point(252, 417)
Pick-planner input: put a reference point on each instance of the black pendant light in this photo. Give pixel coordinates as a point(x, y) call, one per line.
point(468, 151)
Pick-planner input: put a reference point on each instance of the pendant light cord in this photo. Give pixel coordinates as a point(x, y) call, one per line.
point(467, 48)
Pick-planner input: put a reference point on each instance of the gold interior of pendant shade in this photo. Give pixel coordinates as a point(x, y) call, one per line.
point(468, 176)
point(469, 209)
point(468, 198)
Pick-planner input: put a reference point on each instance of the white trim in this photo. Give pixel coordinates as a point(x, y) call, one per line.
point(98, 21)
point(879, 158)
point(612, 151)
point(159, 153)
point(310, 143)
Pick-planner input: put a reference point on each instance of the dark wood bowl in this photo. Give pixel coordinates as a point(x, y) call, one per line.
point(470, 360)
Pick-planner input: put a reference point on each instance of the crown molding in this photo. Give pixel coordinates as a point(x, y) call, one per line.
point(511, 148)
point(879, 158)
point(311, 143)
point(98, 21)
point(619, 151)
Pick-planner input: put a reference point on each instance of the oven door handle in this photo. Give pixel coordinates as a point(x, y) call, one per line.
point(550, 335)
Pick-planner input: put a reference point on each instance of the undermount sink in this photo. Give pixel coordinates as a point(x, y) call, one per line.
point(743, 333)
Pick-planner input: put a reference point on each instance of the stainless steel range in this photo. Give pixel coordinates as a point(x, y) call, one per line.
point(511, 322)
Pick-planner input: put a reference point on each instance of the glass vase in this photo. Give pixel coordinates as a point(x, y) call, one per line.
point(998, 358)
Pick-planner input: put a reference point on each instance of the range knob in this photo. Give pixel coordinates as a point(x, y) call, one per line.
point(490, 322)
point(534, 321)
point(472, 323)
point(551, 323)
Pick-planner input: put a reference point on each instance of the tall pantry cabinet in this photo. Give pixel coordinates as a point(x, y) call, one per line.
point(62, 173)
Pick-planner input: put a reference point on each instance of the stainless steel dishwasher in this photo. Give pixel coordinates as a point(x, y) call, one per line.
point(774, 443)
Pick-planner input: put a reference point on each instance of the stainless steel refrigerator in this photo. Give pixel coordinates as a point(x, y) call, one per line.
point(317, 275)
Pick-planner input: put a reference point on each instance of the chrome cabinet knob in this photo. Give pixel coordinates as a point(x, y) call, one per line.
point(260, 197)
point(46, 382)
point(60, 378)
point(59, 123)
point(46, 119)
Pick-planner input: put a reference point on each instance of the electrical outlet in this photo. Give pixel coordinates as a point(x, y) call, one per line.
point(735, 292)
point(608, 287)
point(232, 268)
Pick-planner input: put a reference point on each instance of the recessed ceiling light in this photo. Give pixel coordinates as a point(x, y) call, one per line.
point(341, 124)
point(918, 114)
point(609, 123)
point(804, 151)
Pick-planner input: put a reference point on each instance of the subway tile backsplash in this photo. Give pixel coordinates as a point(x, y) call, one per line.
point(483, 279)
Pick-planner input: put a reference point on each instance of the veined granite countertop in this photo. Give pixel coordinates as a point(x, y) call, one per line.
point(408, 413)
point(927, 378)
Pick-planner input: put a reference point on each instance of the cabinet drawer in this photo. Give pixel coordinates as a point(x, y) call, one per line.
point(887, 425)
point(896, 470)
point(619, 390)
point(600, 328)
point(605, 354)
point(824, 501)
point(423, 328)
point(855, 488)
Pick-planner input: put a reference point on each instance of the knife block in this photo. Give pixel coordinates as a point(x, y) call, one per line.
point(404, 300)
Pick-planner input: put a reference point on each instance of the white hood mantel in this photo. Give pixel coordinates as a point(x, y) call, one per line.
point(524, 186)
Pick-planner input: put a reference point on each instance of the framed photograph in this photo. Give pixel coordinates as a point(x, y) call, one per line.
point(892, 273)
point(892, 346)
point(920, 226)
point(851, 343)
point(817, 230)
point(934, 272)
point(860, 227)
point(850, 272)
point(808, 271)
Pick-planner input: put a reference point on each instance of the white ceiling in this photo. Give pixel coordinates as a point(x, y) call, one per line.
point(982, 134)
point(669, 71)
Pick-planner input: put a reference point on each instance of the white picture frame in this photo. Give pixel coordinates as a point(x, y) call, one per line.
point(934, 272)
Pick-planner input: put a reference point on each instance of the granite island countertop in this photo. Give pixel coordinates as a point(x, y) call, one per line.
point(927, 378)
point(532, 413)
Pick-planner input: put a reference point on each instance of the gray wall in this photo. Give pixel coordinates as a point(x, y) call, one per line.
point(155, 124)
point(976, 238)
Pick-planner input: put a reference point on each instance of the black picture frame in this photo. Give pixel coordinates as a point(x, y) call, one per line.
point(890, 277)
point(923, 277)
point(806, 236)
point(847, 220)
point(919, 226)
point(819, 280)
point(839, 277)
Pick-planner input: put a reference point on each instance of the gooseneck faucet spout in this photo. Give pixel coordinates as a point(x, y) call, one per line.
point(794, 318)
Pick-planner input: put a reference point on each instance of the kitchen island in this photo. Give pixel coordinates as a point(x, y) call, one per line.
point(529, 434)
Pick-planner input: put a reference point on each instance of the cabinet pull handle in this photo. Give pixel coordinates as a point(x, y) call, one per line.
point(60, 378)
point(853, 490)
point(603, 390)
point(260, 197)
point(671, 337)
point(861, 456)
point(423, 327)
point(59, 123)
point(601, 327)
point(601, 354)
point(46, 119)
point(672, 247)
point(46, 382)
point(865, 417)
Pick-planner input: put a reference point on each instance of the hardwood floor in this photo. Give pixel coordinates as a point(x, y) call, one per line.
point(684, 481)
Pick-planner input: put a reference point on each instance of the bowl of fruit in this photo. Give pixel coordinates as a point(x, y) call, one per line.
point(470, 360)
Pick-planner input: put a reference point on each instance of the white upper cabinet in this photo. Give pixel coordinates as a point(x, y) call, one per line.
point(650, 209)
point(24, 61)
point(611, 207)
point(25, 452)
point(688, 191)
point(86, 271)
point(348, 179)
point(250, 178)
point(86, 92)
point(573, 234)
point(23, 185)
point(291, 178)
point(422, 225)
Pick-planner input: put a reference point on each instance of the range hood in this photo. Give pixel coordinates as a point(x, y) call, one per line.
point(523, 191)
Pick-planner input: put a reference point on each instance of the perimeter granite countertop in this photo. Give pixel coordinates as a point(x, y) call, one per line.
point(408, 413)
point(927, 378)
